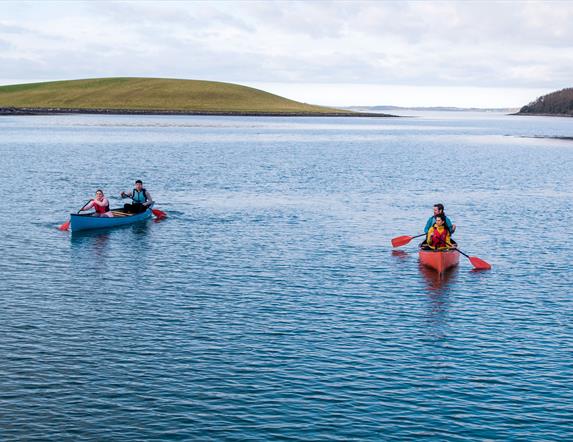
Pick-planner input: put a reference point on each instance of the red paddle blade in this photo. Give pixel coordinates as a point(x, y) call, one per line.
point(159, 213)
point(65, 226)
point(479, 263)
point(401, 240)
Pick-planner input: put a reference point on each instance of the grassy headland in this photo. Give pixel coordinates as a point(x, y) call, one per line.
point(152, 95)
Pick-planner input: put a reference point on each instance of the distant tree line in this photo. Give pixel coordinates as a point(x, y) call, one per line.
point(560, 102)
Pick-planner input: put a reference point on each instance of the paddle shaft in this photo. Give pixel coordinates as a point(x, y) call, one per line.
point(85, 206)
point(66, 225)
point(137, 202)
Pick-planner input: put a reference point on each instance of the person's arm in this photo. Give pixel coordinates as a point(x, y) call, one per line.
point(149, 201)
point(126, 195)
point(88, 207)
point(429, 237)
point(429, 224)
point(449, 241)
point(451, 227)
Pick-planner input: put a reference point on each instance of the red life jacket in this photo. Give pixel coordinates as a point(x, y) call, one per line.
point(101, 209)
point(439, 239)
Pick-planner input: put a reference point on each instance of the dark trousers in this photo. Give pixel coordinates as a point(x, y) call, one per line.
point(134, 208)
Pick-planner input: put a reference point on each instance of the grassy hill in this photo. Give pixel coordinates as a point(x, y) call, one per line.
point(555, 103)
point(152, 94)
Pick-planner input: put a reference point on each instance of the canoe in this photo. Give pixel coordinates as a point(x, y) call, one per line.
point(82, 221)
point(439, 260)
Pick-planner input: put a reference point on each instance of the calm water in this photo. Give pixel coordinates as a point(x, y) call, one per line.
point(269, 305)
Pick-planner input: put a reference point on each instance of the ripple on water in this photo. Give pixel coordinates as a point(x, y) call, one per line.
point(269, 305)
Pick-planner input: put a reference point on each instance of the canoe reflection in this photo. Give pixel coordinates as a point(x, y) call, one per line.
point(438, 281)
point(101, 247)
point(96, 242)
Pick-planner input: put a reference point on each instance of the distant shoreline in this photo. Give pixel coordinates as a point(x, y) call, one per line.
point(525, 114)
point(549, 137)
point(505, 110)
point(60, 111)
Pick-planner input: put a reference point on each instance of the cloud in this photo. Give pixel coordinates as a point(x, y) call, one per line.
point(481, 44)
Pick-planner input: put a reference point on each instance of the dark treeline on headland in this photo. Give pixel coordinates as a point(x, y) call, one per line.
point(555, 103)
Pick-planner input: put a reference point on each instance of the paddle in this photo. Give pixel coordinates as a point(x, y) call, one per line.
point(66, 225)
point(403, 240)
point(478, 263)
point(159, 213)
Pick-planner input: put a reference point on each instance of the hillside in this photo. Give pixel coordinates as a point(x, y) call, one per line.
point(555, 103)
point(151, 95)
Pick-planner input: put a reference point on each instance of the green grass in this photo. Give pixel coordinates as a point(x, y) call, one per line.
point(152, 94)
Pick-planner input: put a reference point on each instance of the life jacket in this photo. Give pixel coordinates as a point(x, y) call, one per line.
point(101, 209)
point(139, 197)
point(438, 239)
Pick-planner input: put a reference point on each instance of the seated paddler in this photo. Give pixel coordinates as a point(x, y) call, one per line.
point(439, 209)
point(100, 204)
point(438, 236)
point(141, 199)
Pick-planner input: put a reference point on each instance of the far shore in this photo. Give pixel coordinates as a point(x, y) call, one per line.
point(59, 111)
point(525, 114)
point(550, 137)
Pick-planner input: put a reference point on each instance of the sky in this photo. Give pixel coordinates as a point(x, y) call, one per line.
point(336, 53)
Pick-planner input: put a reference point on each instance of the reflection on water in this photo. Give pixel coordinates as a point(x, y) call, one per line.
point(400, 254)
point(93, 240)
point(438, 309)
point(438, 285)
point(140, 229)
point(91, 249)
point(437, 282)
point(103, 248)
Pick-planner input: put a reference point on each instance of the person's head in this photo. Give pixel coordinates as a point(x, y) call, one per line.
point(99, 194)
point(441, 220)
point(138, 185)
point(438, 208)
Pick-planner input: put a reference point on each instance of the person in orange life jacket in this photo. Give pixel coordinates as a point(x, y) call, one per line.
point(439, 209)
point(438, 236)
point(100, 204)
point(141, 199)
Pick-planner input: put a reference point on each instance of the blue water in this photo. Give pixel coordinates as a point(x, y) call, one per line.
point(269, 305)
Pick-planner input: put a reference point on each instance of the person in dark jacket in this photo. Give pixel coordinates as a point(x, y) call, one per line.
point(141, 199)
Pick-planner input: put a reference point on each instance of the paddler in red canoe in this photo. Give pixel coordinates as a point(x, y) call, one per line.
point(439, 209)
point(100, 204)
point(439, 236)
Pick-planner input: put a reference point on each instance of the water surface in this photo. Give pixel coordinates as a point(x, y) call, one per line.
point(270, 304)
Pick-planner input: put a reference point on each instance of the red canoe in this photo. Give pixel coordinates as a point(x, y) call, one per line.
point(439, 260)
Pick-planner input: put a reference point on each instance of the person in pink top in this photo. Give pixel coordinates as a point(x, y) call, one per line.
point(100, 204)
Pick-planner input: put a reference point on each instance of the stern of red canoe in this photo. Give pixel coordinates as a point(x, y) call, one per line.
point(439, 260)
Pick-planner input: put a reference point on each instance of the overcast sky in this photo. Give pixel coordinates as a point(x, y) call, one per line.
point(482, 54)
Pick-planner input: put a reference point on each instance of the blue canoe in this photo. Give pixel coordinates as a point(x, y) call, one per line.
point(81, 222)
